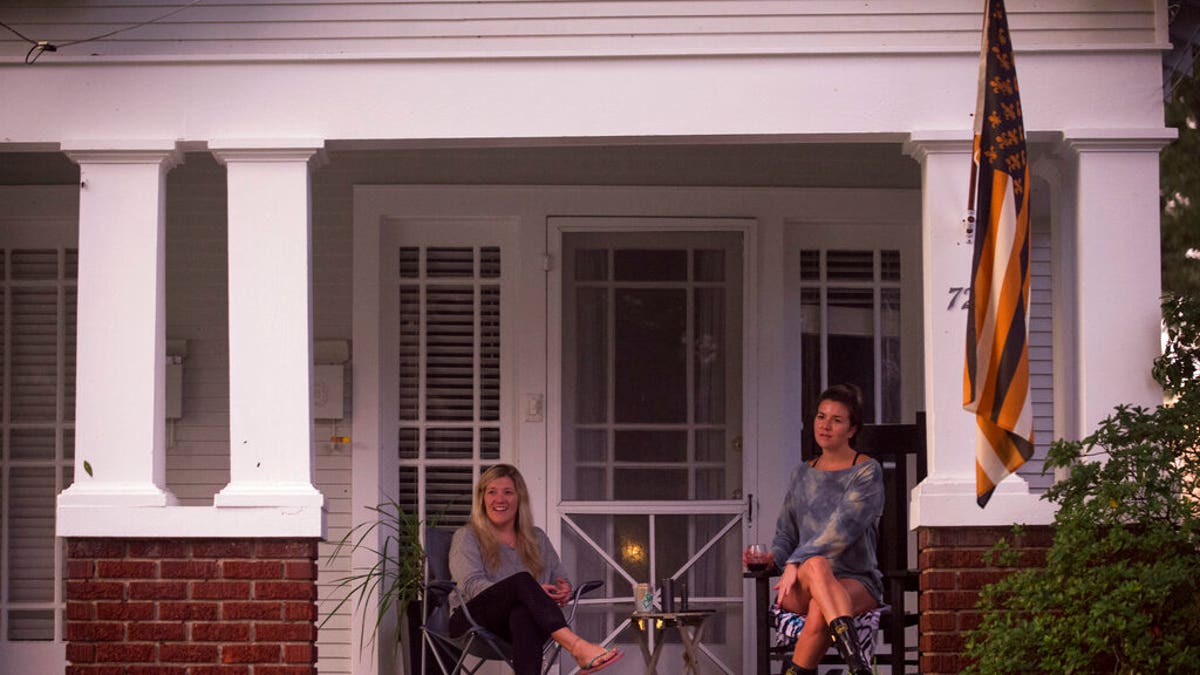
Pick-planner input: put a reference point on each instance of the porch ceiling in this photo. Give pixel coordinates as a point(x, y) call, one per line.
point(864, 165)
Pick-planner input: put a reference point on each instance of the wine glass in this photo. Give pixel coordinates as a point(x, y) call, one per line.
point(757, 558)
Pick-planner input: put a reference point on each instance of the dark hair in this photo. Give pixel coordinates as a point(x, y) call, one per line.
point(851, 397)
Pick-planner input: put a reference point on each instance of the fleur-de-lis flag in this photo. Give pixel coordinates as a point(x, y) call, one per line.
point(996, 376)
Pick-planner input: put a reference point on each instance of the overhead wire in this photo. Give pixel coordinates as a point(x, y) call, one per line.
point(40, 47)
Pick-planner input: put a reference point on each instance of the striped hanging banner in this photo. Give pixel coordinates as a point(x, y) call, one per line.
point(996, 376)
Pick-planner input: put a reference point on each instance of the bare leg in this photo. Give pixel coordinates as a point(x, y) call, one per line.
point(817, 589)
point(581, 650)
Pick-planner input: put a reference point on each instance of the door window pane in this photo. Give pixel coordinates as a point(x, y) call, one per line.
point(651, 367)
point(850, 327)
point(650, 265)
point(651, 372)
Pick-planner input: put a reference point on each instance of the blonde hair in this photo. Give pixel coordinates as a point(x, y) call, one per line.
point(527, 542)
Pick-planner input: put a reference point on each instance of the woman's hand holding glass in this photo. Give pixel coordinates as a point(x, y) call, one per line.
point(757, 558)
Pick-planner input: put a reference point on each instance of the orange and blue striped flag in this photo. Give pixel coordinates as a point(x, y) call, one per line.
point(996, 377)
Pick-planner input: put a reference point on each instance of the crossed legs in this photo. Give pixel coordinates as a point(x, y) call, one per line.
point(518, 609)
point(814, 592)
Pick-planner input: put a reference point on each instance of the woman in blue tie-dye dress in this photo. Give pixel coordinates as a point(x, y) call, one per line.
point(825, 537)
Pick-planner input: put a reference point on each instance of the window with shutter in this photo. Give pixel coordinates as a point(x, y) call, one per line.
point(449, 359)
point(37, 411)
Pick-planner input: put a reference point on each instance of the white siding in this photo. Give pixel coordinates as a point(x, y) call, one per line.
point(451, 28)
point(197, 311)
point(1041, 352)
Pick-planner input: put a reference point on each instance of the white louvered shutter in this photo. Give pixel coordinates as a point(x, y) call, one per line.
point(38, 376)
point(449, 352)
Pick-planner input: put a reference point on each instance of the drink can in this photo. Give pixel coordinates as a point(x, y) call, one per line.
point(643, 599)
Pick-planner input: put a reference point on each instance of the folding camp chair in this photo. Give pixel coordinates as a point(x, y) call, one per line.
point(451, 653)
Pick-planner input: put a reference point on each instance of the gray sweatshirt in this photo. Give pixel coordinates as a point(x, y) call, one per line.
point(473, 576)
point(833, 514)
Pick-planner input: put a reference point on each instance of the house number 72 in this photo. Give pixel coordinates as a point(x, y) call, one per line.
point(960, 297)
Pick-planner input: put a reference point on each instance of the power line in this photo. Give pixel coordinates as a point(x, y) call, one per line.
point(42, 46)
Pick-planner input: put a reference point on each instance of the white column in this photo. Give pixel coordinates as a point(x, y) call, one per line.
point(947, 495)
point(121, 342)
point(1115, 237)
point(270, 325)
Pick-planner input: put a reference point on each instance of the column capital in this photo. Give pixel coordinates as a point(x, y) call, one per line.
point(309, 150)
point(921, 144)
point(163, 152)
point(1117, 140)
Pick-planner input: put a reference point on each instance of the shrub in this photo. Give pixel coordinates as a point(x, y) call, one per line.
point(1120, 591)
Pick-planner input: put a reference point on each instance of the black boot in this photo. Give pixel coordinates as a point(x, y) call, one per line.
point(793, 669)
point(845, 638)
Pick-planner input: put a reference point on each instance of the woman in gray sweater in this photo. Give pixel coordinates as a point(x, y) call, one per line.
point(826, 534)
point(512, 579)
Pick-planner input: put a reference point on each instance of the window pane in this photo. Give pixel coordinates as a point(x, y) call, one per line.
point(409, 443)
point(410, 262)
point(489, 262)
point(650, 484)
point(810, 265)
point(34, 384)
point(889, 265)
point(489, 443)
point(710, 446)
point(450, 353)
point(591, 445)
point(889, 348)
point(450, 262)
point(710, 356)
point(32, 443)
point(489, 353)
point(31, 542)
point(591, 264)
point(591, 355)
point(650, 265)
point(709, 265)
point(651, 446)
point(651, 373)
point(409, 349)
point(31, 624)
point(850, 265)
point(448, 443)
point(30, 265)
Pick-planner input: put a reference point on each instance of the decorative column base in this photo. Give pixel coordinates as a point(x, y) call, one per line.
point(191, 606)
point(953, 571)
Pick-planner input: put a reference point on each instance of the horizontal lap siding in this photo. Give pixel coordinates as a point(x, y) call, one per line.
point(1041, 366)
point(579, 27)
point(197, 311)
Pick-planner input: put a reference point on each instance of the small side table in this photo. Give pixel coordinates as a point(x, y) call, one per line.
point(690, 624)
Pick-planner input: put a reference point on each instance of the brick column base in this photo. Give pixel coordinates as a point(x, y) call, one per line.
point(191, 606)
point(952, 573)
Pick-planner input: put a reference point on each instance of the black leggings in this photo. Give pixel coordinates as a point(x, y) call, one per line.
point(518, 610)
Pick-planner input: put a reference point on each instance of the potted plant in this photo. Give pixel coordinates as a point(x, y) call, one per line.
point(394, 580)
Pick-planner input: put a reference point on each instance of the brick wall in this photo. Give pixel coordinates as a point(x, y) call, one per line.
point(952, 573)
point(191, 607)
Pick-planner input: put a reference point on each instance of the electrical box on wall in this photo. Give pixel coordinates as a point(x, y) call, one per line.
point(176, 351)
point(327, 391)
point(174, 390)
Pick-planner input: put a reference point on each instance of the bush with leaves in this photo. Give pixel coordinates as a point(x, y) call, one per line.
point(1120, 591)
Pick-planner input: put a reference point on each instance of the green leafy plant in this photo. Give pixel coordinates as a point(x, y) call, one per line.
point(393, 539)
point(1120, 590)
